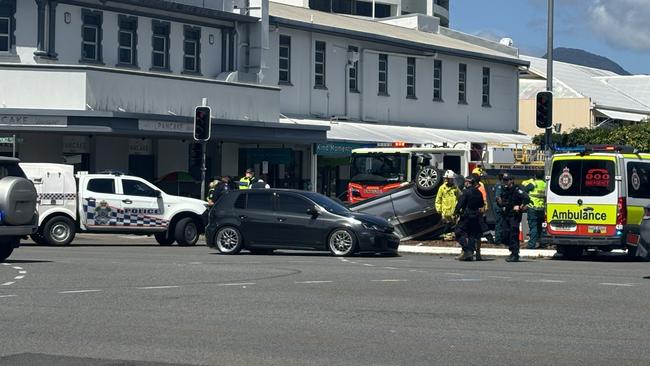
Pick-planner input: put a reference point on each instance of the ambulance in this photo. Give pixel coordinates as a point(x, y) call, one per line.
point(595, 199)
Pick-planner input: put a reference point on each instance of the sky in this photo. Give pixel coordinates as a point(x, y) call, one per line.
point(616, 29)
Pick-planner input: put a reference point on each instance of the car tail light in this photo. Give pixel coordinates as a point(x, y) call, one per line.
point(621, 213)
point(633, 239)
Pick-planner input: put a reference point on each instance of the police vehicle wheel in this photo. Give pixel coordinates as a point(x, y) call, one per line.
point(186, 232)
point(5, 252)
point(427, 181)
point(164, 239)
point(228, 240)
point(38, 239)
point(59, 230)
point(342, 243)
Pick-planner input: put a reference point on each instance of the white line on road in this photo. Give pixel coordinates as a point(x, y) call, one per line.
point(465, 280)
point(368, 265)
point(389, 280)
point(22, 272)
point(8, 295)
point(8, 283)
point(548, 281)
point(314, 281)
point(196, 263)
point(417, 270)
point(6, 264)
point(19, 268)
point(78, 291)
point(454, 274)
point(236, 284)
point(19, 277)
point(390, 268)
point(155, 287)
point(619, 284)
point(501, 277)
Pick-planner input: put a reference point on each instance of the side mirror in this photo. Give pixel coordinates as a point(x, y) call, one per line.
point(158, 194)
point(313, 211)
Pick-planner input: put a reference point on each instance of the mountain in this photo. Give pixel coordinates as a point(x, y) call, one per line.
point(584, 58)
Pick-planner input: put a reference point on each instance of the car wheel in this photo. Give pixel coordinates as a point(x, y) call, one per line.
point(228, 240)
point(5, 252)
point(427, 181)
point(342, 243)
point(164, 239)
point(38, 239)
point(186, 232)
point(59, 230)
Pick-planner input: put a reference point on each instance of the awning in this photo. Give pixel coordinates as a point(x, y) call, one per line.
point(623, 116)
point(373, 133)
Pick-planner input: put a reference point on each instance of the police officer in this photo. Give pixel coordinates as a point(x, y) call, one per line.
point(220, 188)
point(469, 209)
point(247, 180)
point(260, 184)
point(513, 202)
point(498, 214)
point(536, 188)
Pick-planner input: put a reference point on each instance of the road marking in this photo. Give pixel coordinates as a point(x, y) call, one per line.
point(19, 277)
point(619, 284)
point(196, 263)
point(8, 296)
point(454, 274)
point(19, 268)
point(549, 281)
point(417, 270)
point(22, 272)
point(465, 280)
point(501, 277)
point(390, 268)
point(78, 291)
point(314, 281)
point(6, 264)
point(368, 265)
point(155, 287)
point(389, 280)
point(8, 283)
point(236, 284)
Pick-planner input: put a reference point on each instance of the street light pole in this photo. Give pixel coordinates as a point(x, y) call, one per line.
point(548, 136)
point(204, 153)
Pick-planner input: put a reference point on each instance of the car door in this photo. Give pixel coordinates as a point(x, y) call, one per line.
point(100, 203)
point(294, 225)
point(257, 219)
point(141, 206)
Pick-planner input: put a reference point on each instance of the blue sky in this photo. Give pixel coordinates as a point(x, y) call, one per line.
point(617, 29)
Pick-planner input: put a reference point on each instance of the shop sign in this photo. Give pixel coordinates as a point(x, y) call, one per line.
point(76, 145)
point(165, 126)
point(24, 120)
point(140, 147)
point(338, 148)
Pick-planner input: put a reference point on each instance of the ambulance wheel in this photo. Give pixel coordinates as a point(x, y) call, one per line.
point(186, 232)
point(164, 239)
point(38, 239)
point(59, 230)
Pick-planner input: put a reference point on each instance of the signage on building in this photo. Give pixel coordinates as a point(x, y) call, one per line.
point(140, 147)
point(37, 121)
point(165, 126)
point(76, 145)
point(338, 148)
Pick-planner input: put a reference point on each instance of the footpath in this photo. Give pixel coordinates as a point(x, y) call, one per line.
point(495, 252)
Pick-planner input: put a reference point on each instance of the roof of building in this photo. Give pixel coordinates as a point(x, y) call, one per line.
point(634, 86)
point(375, 31)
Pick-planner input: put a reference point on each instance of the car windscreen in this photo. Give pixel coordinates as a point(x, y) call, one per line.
point(329, 204)
point(583, 177)
point(11, 170)
point(378, 168)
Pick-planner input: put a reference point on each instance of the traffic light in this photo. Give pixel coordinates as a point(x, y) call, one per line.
point(544, 109)
point(202, 125)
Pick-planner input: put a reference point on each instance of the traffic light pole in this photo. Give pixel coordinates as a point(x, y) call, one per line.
point(204, 155)
point(548, 136)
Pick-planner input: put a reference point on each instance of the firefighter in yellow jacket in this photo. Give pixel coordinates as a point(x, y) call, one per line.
point(446, 201)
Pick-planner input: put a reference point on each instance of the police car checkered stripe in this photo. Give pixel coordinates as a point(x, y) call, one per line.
point(117, 217)
point(57, 196)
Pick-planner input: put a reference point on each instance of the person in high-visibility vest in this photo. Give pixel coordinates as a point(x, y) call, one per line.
point(247, 180)
point(446, 200)
point(536, 188)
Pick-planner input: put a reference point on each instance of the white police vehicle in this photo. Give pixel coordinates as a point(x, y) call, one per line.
point(110, 203)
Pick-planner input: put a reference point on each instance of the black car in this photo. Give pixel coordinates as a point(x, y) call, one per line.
point(262, 220)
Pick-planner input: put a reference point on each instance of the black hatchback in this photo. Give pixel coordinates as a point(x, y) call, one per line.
point(262, 220)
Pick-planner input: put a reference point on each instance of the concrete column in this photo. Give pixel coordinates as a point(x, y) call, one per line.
point(51, 32)
point(40, 39)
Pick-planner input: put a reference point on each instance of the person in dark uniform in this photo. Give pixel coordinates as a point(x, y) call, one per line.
point(498, 214)
point(469, 209)
point(219, 190)
point(513, 202)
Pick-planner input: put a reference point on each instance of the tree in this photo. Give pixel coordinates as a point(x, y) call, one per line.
point(635, 135)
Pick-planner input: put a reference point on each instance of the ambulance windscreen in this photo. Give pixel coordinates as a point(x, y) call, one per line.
point(583, 177)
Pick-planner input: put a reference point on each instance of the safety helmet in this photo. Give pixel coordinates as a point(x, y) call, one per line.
point(450, 174)
point(477, 171)
point(506, 177)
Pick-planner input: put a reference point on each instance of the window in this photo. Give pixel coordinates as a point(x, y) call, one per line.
point(437, 80)
point(5, 34)
point(137, 188)
point(285, 59)
point(383, 75)
point(11, 170)
point(102, 185)
point(353, 75)
point(382, 10)
point(293, 204)
point(410, 77)
point(259, 201)
point(160, 45)
point(638, 180)
point(583, 177)
point(486, 86)
point(240, 203)
point(192, 50)
point(462, 83)
point(319, 65)
point(127, 41)
point(91, 34)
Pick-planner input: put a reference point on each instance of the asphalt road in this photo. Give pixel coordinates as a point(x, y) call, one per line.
point(97, 303)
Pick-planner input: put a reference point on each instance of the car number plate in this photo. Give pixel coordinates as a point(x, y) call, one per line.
point(596, 229)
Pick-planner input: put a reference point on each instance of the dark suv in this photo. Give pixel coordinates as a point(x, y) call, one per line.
point(265, 219)
point(18, 217)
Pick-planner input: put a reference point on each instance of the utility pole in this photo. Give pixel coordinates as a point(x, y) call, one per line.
point(548, 136)
point(204, 153)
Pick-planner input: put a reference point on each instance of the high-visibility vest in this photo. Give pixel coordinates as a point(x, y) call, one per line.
point(245, 183)
point(537, 194)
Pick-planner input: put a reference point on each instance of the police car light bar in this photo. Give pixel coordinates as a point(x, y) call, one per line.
point(597, 148)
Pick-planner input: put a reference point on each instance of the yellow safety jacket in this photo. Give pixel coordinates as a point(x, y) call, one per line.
point(245, 183)
point(446, 200)
point(537, 194)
